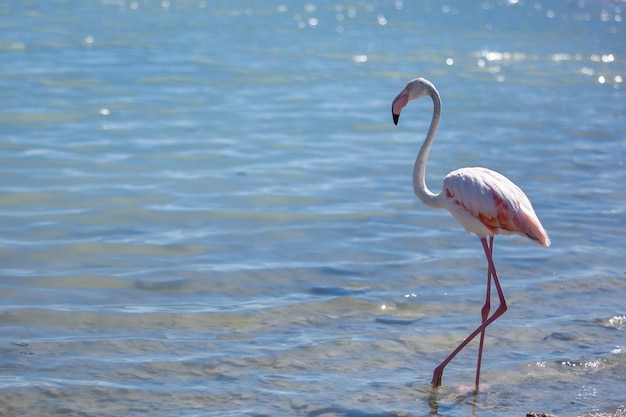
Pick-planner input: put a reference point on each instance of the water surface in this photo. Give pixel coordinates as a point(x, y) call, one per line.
point(207, 210)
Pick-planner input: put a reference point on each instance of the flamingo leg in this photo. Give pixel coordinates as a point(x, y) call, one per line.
point(484, 314)
point(438, 373)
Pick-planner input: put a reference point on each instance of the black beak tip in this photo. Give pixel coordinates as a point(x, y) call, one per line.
point(396, 117)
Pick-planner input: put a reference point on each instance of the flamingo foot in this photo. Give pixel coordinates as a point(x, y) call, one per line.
point(437, 376)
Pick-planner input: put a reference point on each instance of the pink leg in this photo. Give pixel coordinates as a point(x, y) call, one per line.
point(438, 373)
point(484, 314)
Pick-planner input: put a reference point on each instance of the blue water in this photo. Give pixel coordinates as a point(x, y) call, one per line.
point(206, 209)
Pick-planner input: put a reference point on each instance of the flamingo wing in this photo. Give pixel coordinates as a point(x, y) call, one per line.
point(487, 203)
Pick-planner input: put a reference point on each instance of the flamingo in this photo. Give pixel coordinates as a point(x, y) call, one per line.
point(483, 201)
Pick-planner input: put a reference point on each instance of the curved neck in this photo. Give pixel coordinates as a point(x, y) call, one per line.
point(419, 169)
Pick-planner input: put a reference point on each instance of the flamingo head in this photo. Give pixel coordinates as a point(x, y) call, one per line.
point(415, 89)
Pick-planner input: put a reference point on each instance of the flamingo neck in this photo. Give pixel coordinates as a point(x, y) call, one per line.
point(419, 169)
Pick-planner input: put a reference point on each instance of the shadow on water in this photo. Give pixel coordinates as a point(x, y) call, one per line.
point(433, 403)
point(427, 401)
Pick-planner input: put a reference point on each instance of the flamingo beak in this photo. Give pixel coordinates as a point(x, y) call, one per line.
point(398, 104)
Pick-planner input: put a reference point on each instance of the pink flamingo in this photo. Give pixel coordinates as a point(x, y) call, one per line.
point(483, 201)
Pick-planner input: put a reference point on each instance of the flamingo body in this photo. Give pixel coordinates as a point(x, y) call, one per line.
point(487, 203)
point(483, 201)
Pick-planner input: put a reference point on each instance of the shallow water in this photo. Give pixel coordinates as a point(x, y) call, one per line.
point(207, 210)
